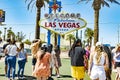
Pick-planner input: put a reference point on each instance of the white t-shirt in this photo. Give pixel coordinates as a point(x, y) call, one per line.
point(117, 59)
point(11, 50)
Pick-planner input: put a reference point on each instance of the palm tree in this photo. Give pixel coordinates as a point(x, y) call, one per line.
point(39, 5)
point(21, 36)
point(97, 6)
point(10, 34)
point(89, 35)
point(18, 36)
point(4, 33)
point(71, 38)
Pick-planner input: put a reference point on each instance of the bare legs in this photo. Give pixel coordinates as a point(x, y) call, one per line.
point(5, 69)
point(57, 71)
point(118, 74)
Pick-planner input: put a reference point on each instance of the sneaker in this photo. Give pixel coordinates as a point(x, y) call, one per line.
point(58, 76)
point(22, 78)
point(18, 78)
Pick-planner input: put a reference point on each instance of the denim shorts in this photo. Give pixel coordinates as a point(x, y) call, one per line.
point(6, 57)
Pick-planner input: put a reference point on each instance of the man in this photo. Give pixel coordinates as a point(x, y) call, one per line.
point(34, 48)
point(6, 55)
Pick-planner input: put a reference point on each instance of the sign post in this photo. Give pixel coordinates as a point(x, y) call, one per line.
point(53, 6)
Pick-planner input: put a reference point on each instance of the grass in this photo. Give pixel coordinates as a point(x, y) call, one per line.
point(64, 71)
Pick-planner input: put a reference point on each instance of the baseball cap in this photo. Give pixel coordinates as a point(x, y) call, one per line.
point(98, 44)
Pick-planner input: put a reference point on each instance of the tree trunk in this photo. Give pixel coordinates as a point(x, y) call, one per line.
point(37, 29)
point(55, 41)
point(96, 26)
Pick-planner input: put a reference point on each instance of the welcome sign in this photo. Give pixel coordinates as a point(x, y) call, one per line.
point(63, 23)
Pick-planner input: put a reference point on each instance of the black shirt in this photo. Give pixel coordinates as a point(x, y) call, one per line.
point(76, 55)
point(4, 46)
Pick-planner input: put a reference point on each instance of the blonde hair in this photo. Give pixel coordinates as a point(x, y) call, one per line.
point(99, 51)
point(116, 48)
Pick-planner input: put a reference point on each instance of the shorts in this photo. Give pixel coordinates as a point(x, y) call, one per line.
point(34, 60)
point(78, 72)
point(117, 64)
point(6, 62)
point(98, 72)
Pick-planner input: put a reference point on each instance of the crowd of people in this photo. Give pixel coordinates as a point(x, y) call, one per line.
point(12, 53)
point(97, 61)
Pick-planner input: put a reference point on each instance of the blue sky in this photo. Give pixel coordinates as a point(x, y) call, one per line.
point(20, 19)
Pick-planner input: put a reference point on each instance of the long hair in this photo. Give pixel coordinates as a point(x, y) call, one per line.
point(50, 47)
point(75, 44)
point(44, 49)
point(21, 45)
point(99, 51)
point(117, 48)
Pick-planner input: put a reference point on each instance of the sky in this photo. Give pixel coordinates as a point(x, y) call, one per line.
point(20, 19)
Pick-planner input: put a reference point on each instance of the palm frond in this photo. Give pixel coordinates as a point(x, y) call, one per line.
point(29, 4)
point(80, 1)
point(114, 1)
point(32, 6)
point(83, 0)
point(104, 3)
point(87, 1)
point(26, 1)
point(47, 1)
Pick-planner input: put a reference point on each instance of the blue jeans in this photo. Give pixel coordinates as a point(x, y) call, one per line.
point(11, 65)
point(21, 65)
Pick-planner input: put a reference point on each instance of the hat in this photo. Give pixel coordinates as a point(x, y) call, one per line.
point(98, 44)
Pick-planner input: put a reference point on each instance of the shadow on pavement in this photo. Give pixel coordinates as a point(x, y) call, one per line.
point(26, 77)
point(65, 76)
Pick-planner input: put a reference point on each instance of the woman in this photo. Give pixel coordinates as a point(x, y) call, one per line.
point(42, 67)
point(117, 61)
point(98, 61)
point(77, 55)
point(34, 48)
point(109, 54)
point(22, 59)
point(53, 62)
point(58, 62)
point(11, 50)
